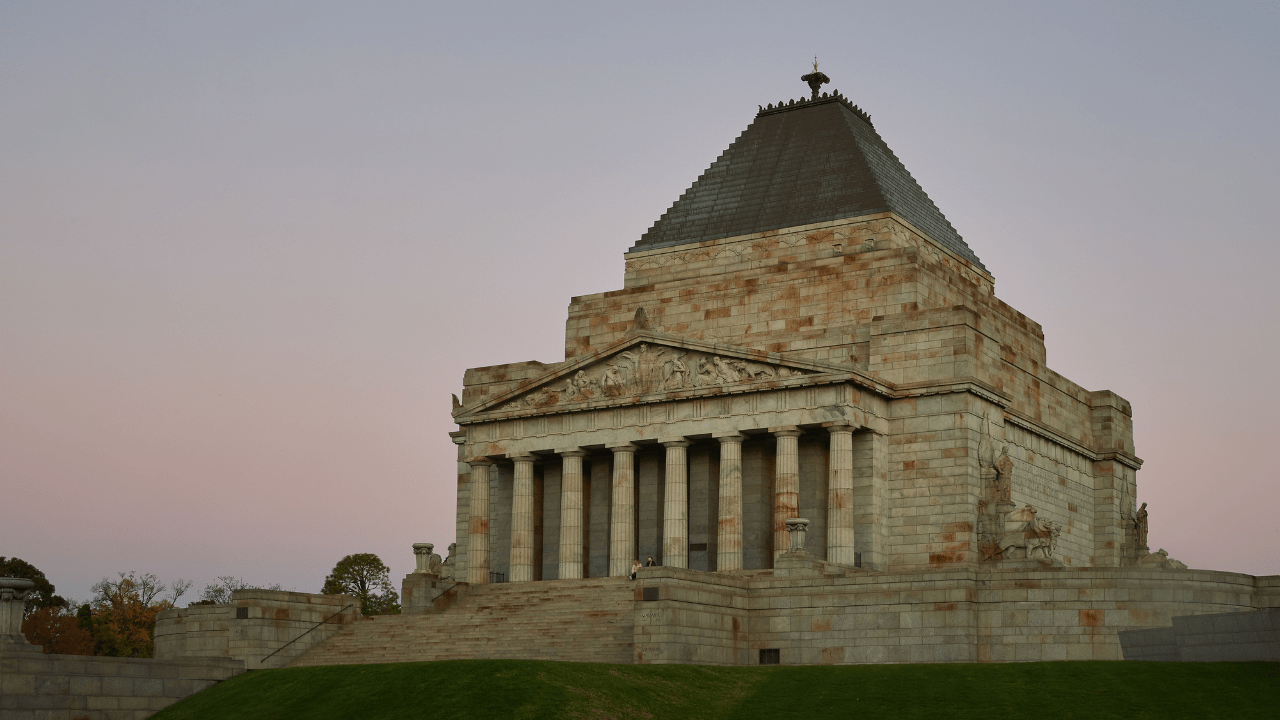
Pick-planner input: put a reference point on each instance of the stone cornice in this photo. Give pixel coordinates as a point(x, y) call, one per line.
point(1026, 423)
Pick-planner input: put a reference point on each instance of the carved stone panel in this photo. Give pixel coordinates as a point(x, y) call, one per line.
point(651, 368)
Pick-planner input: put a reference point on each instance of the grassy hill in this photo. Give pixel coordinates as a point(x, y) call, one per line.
point(486, 689)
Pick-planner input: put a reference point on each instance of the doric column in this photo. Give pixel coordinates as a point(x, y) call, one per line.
point(675, 522)
point(622, 516)
point(571, 514)
point(729, 531)
point(786, 495)
point(522, 505)
point(478, 524)
point(840, 546)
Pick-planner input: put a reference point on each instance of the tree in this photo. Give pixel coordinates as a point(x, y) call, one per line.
point(43, 595)
point(364, 576)
point(58, 630)
point(124, 613)
point(219, 593)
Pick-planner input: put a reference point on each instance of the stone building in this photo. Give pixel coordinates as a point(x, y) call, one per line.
point(807, 405)
point(802, 334)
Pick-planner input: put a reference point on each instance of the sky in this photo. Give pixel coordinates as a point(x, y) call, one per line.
point(247, 250)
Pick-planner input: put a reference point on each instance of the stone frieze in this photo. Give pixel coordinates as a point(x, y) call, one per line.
point(651, 368)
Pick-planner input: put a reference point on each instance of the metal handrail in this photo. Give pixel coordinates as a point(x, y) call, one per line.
point(313, 627)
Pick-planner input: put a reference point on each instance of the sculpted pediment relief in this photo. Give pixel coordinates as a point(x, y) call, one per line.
point(653, 364)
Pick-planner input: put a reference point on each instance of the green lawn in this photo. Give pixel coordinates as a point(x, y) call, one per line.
point(485, 689)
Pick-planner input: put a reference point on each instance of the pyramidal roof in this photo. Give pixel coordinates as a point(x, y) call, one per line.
point(802, 162)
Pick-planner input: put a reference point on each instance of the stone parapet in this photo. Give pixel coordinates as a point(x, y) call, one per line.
point(256, 624)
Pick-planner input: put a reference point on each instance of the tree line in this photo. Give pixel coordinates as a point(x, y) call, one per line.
point(120, 619)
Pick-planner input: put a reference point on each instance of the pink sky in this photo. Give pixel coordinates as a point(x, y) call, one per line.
point(247, 253)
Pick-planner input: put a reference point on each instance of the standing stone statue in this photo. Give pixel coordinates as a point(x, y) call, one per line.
point(448, 568)
point(1140, 525)
point(1004, 476)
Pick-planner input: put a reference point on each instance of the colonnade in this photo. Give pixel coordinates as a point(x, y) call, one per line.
point(675, 526)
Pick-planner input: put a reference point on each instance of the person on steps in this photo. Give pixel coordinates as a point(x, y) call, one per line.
point(635, 566)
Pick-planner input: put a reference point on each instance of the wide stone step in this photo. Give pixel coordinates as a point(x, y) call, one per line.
point(575, 620)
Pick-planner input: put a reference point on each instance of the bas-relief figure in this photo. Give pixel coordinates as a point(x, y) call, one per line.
point(1019, 535)
point(985, 448)
point(651, 368)
point(1037, 538)
point(1006, 533)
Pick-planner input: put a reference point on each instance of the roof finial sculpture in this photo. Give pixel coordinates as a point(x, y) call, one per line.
point(815, 78)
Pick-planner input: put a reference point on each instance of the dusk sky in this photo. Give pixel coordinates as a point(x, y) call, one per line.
point(248, 249)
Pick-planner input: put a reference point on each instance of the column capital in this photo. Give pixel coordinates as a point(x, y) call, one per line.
point(572, 452)
point(675, 442)
point(479, 462)
point(840, 427)
point(523, 457)
point(785, 431)
point(730, 437)
point(623, 447)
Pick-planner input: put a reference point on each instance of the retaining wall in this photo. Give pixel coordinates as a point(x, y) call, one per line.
point(36, 686)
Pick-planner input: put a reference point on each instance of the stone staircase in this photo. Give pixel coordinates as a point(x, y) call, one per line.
point(589, 620)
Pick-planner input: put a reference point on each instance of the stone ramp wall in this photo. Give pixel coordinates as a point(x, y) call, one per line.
point(1217, 637)
point(572, 620)
point(252, 626)
point(35, 686)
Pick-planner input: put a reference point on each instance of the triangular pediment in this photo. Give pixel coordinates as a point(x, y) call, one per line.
point(652, 365)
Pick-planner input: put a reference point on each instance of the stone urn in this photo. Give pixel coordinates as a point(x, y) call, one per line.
point(13, 595)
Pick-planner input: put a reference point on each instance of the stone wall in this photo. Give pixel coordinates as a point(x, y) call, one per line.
point(254, 625)
point(1234, 637)
point(816, 613)
point(35, 686)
